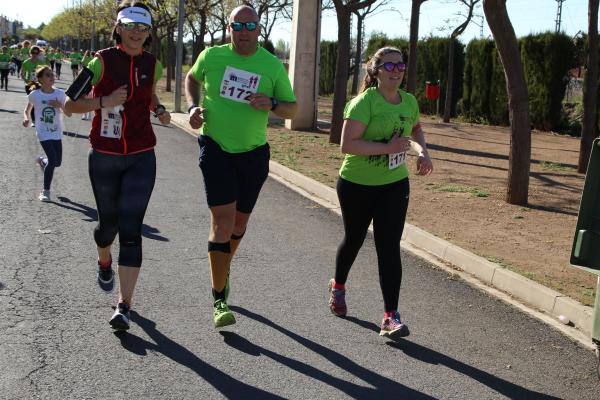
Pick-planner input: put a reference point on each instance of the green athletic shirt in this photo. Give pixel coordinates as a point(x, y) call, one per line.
point(86, 60)
point(24, 53)
point(50, 56)
point(383, 121)
point(75, 58)
point(236, 126)
point(29, 67)
point(96, 67)
point(4, 60)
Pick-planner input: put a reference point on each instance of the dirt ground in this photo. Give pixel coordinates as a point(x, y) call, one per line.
point(463, 201)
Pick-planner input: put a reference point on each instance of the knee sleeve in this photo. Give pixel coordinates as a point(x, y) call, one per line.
point(130, 253)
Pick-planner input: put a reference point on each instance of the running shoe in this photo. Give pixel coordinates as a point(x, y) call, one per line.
point(44, 195)
point(337, 300)
point(106, 278)
point(121, 317)
point(222, 315)
point(393, 327)
point(41, 161)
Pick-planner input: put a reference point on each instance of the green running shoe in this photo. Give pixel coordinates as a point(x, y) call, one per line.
point(222, 315)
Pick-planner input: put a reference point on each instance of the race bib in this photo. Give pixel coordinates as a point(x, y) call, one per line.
point(396, 159)
point(112, 123)
point(239, 85)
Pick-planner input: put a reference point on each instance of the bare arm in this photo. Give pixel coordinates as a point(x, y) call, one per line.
point(83, 105)
point(353, 143)
point(286, 110)
point(424, 163)
point(163, 117)
point(26, 114)
point(192, 95)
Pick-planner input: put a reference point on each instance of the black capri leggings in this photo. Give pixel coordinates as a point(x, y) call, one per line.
point(122, 186)
point(53, 150)
point(386, 206)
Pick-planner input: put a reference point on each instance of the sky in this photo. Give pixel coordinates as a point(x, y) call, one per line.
point(527, 16)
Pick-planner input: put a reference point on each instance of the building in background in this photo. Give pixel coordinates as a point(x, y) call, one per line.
point(10, 31)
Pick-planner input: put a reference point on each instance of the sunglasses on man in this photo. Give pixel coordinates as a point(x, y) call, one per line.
point(389, 66)
point(238, 26)
point(130, 26)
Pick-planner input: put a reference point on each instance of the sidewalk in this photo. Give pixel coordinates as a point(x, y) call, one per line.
point(530, 297)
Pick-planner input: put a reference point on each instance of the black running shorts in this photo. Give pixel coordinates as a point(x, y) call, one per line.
point(233, 177)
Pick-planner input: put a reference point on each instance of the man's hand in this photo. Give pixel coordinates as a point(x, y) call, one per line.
point(196, 117)
point(164, 117)
point(260, 101)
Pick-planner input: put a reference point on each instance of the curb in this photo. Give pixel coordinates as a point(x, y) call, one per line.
point(536, 300)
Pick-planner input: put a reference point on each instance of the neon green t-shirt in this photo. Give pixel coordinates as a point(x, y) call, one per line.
point(383, 121)
point(24, 53)
point(228, 79)
point(4, 60)
point(96, 67)
point(85, 61)
point(58, 57)
point(50, 56)
point(28, 68)
point(75, 58)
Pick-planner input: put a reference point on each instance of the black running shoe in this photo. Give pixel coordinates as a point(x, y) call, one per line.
point(121, 317)
point(106, 278)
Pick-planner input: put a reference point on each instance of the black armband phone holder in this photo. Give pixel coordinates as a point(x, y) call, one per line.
point(81, 85)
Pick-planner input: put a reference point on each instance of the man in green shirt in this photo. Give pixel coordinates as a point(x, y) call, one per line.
point(28, 73)
point(4, 67)
point(75, 57)
point(241, 83)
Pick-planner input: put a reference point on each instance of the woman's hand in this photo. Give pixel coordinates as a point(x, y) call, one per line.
point(164, 117)
point(196, 117)
point(398, 144)
point(424, 164)
point(55, 103)
point(116, 98)
point(26, 122)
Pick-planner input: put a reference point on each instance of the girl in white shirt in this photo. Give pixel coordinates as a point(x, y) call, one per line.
point(50, 102)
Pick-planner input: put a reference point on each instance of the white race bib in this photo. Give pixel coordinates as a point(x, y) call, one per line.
point(396, 159)
point(111, 123)
point(239, 85)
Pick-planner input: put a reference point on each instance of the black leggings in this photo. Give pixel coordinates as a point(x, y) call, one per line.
point(386, 206)
point(122, 186)
point(4, 77)
point(58, 67)
point(53, 150)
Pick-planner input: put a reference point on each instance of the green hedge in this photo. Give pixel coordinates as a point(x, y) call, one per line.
point(327, 67)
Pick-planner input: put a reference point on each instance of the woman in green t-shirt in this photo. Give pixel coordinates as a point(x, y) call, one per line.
point(373, 183)
point(4, 67)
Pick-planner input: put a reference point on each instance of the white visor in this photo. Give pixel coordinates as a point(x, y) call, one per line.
point(134, 14)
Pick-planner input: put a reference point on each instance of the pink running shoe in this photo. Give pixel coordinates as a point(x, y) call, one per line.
point(393, 327)
point(337, 300)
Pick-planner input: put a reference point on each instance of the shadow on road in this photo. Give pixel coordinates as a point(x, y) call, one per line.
point(429, 356)
point(9, 111)
point(148, 232)
point(75, 135)
point(227, 385)
point(383, 387)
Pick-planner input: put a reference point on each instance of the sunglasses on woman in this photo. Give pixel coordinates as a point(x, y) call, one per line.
point(389, 66)
point(130, 26)
point(238, 26)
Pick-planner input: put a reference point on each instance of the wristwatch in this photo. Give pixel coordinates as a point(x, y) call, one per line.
point(159, 109)
point(192, 107)
point(274, 103)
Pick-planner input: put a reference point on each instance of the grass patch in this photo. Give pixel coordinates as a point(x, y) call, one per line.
point(475, 192)
point(552, 166)
point(498, 261)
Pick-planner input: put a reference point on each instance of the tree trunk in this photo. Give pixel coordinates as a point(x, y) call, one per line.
point(520, 128)
point(589, 130)
point(341, 75)
point(360, 20)
point(449, 81)
point(411, 78)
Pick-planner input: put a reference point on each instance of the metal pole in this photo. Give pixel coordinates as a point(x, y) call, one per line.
point(179, 56)
point(93, 45)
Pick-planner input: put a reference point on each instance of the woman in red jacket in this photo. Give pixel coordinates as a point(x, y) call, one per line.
point(122, 163)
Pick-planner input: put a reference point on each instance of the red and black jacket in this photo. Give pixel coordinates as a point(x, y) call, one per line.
point(137, 72)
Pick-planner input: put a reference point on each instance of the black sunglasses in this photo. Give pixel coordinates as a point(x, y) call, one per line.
point(238, 26)
point(389, 66)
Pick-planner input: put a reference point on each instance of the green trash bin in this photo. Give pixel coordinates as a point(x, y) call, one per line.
point(585, 253)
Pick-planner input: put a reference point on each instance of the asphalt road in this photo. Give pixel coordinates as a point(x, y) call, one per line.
point(55, 341)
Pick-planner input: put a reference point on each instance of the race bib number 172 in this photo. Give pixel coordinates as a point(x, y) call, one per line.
point(239, 85)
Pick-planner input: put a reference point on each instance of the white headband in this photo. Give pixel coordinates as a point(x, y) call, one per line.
point(134, 14)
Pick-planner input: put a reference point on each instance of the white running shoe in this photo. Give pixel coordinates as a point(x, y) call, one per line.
point(44, 195)
point(42, 162)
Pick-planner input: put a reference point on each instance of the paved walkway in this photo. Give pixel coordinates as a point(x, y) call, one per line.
point(56, 343)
